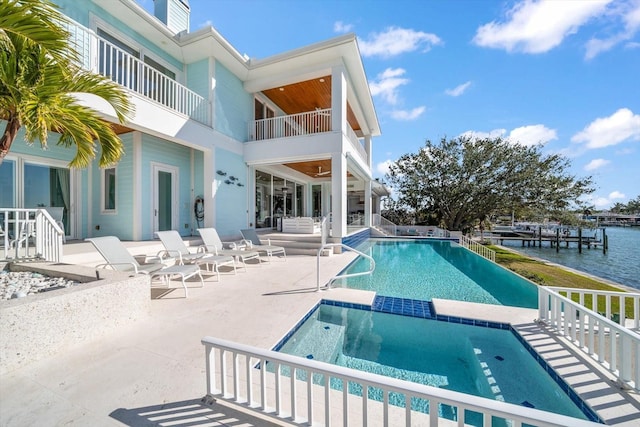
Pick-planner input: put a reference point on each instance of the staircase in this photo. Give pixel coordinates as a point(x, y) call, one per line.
point(295, 244)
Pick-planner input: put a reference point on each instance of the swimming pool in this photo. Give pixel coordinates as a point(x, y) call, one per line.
point(470, 359)
point(424, 269)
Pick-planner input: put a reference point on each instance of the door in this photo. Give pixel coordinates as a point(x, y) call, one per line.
point(165, 185)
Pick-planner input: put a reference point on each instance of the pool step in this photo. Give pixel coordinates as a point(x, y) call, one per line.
point(404, 307)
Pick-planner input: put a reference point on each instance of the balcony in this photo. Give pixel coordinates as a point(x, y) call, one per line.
point(307, 123)
point(103, 57)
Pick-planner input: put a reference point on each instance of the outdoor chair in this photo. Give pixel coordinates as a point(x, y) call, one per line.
point(253, 243)
point(175, 247)
point(120, 259)
point(211, 242)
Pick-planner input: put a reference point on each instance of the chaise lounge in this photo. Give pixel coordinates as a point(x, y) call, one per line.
point(211, 242)
point(253, 242)
point(175, 247)
point(118, 258)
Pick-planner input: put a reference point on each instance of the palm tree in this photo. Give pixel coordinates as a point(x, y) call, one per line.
point(38, 80)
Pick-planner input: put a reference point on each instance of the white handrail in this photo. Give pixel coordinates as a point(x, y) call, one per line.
point(237, 372)
point(306, 123)
point(614, 347)
point(476, 247)
point(372, 264)
point(388, 227)
point(30, 234)
point(132, 73)
point(609, 312)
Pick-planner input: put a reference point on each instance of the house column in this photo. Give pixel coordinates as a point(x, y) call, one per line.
point(367, 203)
point(210, 187)
point(338, 100)
point(308, 199)
point(339, 194)
point(367, 148)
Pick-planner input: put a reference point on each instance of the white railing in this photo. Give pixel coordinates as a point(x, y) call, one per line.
point(132, 73)
point(383, 224)
point(30, 234)
point(372, 264)
point(476, 247)
point(238, 373)
point(594, 298)
point(356, 144)
point(307, 123)
point(614, 347)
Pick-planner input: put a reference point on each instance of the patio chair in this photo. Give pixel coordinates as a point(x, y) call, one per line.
point(120, 259)
point(175, 247)
point(212, 243)
point(253, 243)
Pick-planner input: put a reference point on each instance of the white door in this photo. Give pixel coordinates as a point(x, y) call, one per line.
point(165, 196)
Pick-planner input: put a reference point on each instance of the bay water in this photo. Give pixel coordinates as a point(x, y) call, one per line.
point(621, 264)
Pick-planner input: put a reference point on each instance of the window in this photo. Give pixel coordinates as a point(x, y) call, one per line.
point(109, 189)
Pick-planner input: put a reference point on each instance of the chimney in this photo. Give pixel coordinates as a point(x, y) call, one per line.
point(174, 14)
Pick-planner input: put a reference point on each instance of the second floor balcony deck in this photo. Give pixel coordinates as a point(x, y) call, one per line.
point(137, 73)
point(307, 123)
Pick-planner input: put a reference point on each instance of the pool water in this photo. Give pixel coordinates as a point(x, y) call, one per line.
point(427, 269)
point(469, 359)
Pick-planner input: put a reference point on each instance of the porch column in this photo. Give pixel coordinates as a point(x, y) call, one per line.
point(308, 199)
point(210, 187)
point(339, 194)
point(251, 195)
point(326, 198)
point(338, 100)
point(367, 147)
point(367, 203)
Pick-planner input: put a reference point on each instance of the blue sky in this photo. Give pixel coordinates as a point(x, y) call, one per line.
point(565, 73)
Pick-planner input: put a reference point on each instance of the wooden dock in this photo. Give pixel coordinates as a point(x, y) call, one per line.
point(555, 241)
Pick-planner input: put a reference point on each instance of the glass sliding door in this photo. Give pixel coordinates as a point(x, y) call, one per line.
point(48, 186)
point(263, 200)
point(8, 184)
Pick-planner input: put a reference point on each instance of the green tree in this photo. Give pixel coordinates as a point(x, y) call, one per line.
point(38, 78)
point(463, 181)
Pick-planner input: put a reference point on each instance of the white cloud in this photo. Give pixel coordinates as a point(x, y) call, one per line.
point(395, 41)
point(621, 126)
point(632, 45)
point(341, 27)
point(474, 134)
point(534, 26)
point(383, 167)
point(596, 164)
point(458, 90)
point(387, 83)
point(629, 14)
point(601, 202)
point(408, 115)
point(532, 135)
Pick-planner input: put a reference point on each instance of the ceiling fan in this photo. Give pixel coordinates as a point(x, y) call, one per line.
point(320, 173)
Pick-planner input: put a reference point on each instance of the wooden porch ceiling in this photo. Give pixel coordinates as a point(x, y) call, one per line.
point(307, 96)
point(314, 168)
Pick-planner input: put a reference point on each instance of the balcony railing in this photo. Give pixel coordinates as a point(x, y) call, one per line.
point(307, 123)
point(132, 73)
point(29, 234)
point(355, 143)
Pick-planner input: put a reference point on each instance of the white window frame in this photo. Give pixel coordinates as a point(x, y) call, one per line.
point(103, 191)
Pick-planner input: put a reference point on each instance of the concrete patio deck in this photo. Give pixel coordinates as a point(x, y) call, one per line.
point(152, 372)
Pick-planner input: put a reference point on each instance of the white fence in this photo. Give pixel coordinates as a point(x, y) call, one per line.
point(134, 74)
point(387, 227)
point(30, 234)
point(615, 347)
point(300, 390)
point(476, 247)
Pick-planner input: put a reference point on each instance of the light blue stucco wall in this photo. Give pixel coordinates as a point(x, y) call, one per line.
point(230, 198)
point(79, 11)
point(233, 105)
point(156, 150)
point(118, 223)
point(198, 79)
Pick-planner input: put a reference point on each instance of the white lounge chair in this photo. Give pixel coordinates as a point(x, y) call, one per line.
point(253, 243)
point(175, 247)
point(211, 242)
point(118, 258)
